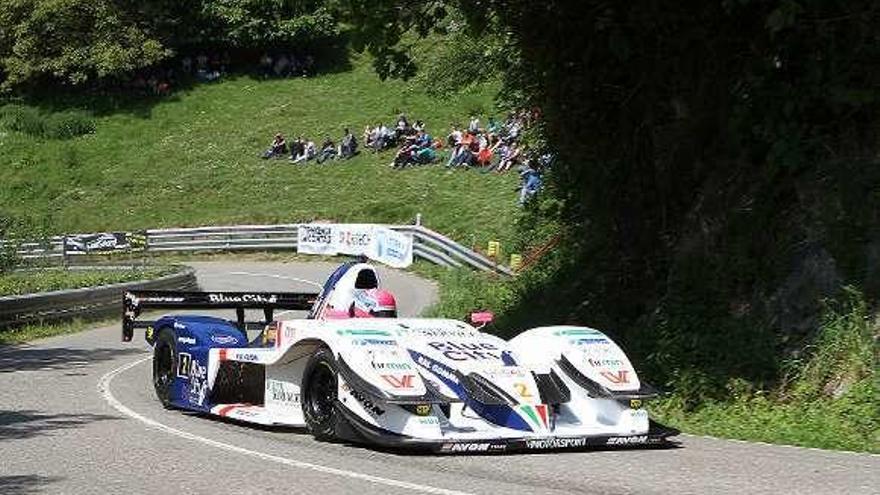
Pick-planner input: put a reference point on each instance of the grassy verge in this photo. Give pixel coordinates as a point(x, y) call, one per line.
point(831, 400)
point(41, 331)
point(26, 282)
point(192, 159)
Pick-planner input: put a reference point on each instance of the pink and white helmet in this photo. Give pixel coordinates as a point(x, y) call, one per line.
point(373, 303)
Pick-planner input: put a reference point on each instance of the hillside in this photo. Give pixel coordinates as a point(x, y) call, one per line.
point(192, 159)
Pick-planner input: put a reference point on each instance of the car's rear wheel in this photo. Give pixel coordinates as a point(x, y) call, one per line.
point(164, 366)
point(319, 395)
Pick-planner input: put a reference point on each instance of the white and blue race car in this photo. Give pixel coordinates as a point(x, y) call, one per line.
point(423, 383)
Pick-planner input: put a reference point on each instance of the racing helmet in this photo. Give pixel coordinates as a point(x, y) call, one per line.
point(373, 303)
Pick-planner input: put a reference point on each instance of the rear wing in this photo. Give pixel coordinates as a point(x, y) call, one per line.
point(136, 301)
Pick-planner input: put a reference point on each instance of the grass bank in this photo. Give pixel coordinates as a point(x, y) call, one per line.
point(192, 159)
point(30, 281)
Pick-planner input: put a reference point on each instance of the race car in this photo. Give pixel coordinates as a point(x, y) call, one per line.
point(406, 383)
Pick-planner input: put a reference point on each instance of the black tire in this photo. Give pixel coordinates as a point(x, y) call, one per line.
point(164, 366)
point(319, 396)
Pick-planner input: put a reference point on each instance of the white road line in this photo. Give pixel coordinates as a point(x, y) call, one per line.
point(281, 277)
point(104, 389)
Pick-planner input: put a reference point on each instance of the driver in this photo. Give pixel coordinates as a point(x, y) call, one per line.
point(372, 303)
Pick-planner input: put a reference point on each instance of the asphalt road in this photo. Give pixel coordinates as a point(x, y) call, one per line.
point(78, 415)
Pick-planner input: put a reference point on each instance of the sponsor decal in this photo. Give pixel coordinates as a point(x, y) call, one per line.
point(617, 378)
point(149, 333)
point(467, 351)
point(556, 443)
point(635, 403)
point(423, 409)
point(363, 342)
point(186, 340)
point(198, 381)
point(604, 363)
point(280, 393)
point(471, 447)
point(270, 334)
point(428, 420)
point(246, 356)
point(224, 339)
point(361, 333)
point(633, 440)
point(160, 299)
point(179, 326)
point(183, 363)
point(506, 372)
point(391, 366)
point(436, 368)
point(591, 341)
point(243, 298)
point(576, 331)
point(438, 332)
point(399, 381)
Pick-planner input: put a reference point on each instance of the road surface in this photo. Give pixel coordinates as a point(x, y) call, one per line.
point(78, 415)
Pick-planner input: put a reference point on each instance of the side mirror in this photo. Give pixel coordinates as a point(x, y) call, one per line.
point(481, 318)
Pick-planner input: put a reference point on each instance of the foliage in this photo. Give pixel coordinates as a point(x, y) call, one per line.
point(193, 160)
point(832, 400)
point(57, 125)
point(26, 282)
point(71, 40)
point(35, 331)
point(80, 41)
point(262, 23)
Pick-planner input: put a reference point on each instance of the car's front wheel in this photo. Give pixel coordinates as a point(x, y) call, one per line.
point(319, 395)
point(164, 366)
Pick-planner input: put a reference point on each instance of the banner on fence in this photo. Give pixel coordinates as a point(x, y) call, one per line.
point(377, 243)
point(101, 242)
point(316, 238)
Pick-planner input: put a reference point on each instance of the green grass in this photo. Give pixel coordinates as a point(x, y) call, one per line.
point(192, 159)
point(41, 331)
point(27, 282)
point(831, 401)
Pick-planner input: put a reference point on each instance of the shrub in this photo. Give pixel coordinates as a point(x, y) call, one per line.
point(60, 125)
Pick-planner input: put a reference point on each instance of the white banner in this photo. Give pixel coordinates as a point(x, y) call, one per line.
point(356, 239)
point(390, 247)
point(353, 239)
point(316, 238)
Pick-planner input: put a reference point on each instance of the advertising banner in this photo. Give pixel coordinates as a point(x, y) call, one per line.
point(354, 239)
point(316, 239)
point(391, 248)
point(101, 242)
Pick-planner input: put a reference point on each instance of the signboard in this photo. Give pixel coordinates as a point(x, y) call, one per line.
point(101, 242)
point(375, 242)
point(316, 238)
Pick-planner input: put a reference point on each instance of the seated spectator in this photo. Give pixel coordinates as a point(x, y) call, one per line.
point(474, 125)
point(511, 157)
point(454, 137)
point(277, 149)
point(484, 156)
point(282, 65)
point(266, 64)
point(493, 127)
point(298, 150)
point(368, 136)
point(328, 150)
point(348, 145)
point(402, 126)
point(419, 126)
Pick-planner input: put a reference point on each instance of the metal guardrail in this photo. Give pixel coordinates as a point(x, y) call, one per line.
point(86, 302)
point(427, 244)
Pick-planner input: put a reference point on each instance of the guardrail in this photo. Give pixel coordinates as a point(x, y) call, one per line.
point(86, 302)
point(427, 244)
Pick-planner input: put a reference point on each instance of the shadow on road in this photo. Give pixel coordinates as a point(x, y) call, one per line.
point(25, 484)
point(55, 358)
point(16, 425)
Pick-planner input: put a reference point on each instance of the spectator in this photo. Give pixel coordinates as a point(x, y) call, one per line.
point(419, 126)
point(493, 127)
point(298, 150)
point(348, 146)
point(531, 181)
point(328, 150)
point(474, 125)
point(277, 149)
point(454, 137)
